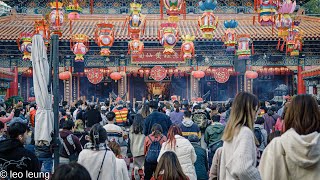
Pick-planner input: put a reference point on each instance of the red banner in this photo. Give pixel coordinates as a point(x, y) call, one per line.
point(155, 56)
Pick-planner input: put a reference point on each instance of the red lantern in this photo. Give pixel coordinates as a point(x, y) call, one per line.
point(181, 73)
point(187, 48)
point(198, 74)
point(170, 72)
point(115, 76)
point(168, 37)
point(56, 17)
point(73, 9)
point(277, 71)
point(265, 71)
point(147, 72)
point(42, 28)
point(65, 75)
point(141, 72)
point(251, 74)
point(173, 9)
point(79, 45)
point(26, 45)
point(31, 99)
point(104, 37)
point(135, 48)
point(271, 71)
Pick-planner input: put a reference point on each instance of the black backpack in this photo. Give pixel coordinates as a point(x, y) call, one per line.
point(154, 150)
point(258, 134)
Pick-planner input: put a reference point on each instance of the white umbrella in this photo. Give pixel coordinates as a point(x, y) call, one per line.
point(41, 71)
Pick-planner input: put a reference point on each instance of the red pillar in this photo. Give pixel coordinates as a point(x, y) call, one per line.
point(301, 86)
point(13, 91)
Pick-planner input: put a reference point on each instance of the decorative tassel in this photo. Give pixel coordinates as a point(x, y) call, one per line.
point(252, 49)
point(272, 31)
point(278, 46)
point(253, 19)
point(259, 18)
point(282, 46)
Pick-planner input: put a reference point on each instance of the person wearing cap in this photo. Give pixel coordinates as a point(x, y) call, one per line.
point(121, 114)
point(103, 115)
point(201, 164)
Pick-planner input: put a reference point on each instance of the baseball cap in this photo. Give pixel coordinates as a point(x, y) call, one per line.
point(103, 108)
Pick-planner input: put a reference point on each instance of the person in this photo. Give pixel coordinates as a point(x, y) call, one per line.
point(214, 173)
point(279, 124)
point(122, 171)
point(239, 156)
point(201, 164)
point(3, 135)
point(77, 110)
point(32, 114)
point(176, 116)
point(103, 115)
point(93, 116)
point(169, 168)
point(213, 135)
point(295, 154)
point(183, 149)
point(273, 135)
point(114, 132)
point(199, 117)
point(155, 136)
point(144, 110)
point(121, 114)
point(137, 142)
point(5, 119)
point(80, 132)
point(17, 118)
point(13, 156)
point(156, 117)
point(97, 157)
point(188, 127)
point(168, 108)
point(70, 144)
point(270, 119)
point(71, 171)
point(261, 137)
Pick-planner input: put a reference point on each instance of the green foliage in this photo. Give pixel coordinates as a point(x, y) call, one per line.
point(313, 7)
point(12, 100)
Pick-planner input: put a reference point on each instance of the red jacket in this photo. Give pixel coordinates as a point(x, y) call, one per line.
point(32, 116)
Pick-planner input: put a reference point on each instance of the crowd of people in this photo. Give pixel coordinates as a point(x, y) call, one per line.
point(175, 140)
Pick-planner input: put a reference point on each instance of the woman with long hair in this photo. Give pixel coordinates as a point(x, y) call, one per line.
point(239, 156)
point(183, 149)
point(169, 168)
point(122, 171)
point(96, 156)
point(155, 136)
point(137, 137)
point(176, 116)
point(296, 153)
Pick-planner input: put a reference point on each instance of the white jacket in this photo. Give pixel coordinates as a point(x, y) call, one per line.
point(292, 156)
point(92, 161)
point(136, 143)
point(122, 171)
point(185, 153)
point(239, 157)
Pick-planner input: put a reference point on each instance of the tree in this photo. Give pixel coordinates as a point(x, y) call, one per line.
point(312, 7)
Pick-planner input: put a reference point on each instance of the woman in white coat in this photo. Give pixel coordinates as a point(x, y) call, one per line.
point(296, 154)
point(183, 149)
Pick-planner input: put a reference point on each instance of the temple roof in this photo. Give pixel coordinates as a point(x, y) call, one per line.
point(11, 26)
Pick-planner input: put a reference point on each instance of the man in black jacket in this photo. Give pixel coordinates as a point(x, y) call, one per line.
point(13, 156)
point(93, 116)
point(156, 117)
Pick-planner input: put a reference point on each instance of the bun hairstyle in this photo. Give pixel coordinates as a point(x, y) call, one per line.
point(98, 135)
point(177, 106)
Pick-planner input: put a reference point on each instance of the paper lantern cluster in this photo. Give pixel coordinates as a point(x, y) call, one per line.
point(26, 45)
point(230, 36)
point(266, 10)
point(294, 40)
point(284, 20)
point(187, 47)
point(56, 18)
point(104, 38)
point(79, 44)
point(173, 9)
point(73, 10)
point(244, 51)
point(208, 22)
point(168, 35)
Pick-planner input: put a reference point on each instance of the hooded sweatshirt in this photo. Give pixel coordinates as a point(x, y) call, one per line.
point(188, 127)
point(14, 157)
point(292, 156)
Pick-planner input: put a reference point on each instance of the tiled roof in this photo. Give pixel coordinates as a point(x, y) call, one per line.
point(12, 26)
point(315, 72)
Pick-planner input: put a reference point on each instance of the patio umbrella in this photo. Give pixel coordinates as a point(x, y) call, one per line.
point(41, 71)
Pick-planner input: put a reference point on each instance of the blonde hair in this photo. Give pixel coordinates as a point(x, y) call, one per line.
point(243, 111)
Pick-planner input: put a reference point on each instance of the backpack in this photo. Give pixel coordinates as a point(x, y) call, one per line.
point(200, 119)
point(154, 150)
point(258, 134)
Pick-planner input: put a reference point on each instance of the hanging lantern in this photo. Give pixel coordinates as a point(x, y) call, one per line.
point(26, 46)
point(147, 72)
point(56, 17)
point(265, 71)
point(135, 19)
point(28, 72)
point(187, 47)
point(230, 37)
point(284, 20)
point(294, 40)
point(266, 10)
point(141, 73)
point(74, 10)
point(271, 71)
point(198, 74)
point(251, 74)
point(168, 37)
point(135, 48)
point(244, 51)
point(104, 38)
point(79, 44)
point(173, 9)
point(42, 28)
point(208, 22)
point(277, 71)
point(170, 72)
point(65, 75)
point(115, 76)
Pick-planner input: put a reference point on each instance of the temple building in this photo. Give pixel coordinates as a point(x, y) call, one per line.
point(139, 50)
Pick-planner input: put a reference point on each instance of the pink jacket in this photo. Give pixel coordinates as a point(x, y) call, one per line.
point(279, 125)
point(6, 119)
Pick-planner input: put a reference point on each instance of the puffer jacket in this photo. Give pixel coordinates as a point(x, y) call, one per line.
point(185, 153)
point(213, 133)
